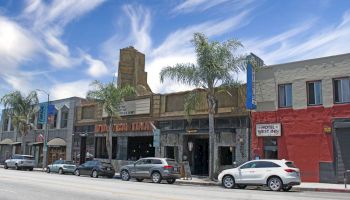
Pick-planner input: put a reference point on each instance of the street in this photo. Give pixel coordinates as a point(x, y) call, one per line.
point(18, 185)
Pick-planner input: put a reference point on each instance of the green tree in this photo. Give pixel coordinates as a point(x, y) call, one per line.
point(110, 97)
point(215, 71)
point(21, 110)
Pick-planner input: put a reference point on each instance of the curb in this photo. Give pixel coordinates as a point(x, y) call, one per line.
point(323, 190)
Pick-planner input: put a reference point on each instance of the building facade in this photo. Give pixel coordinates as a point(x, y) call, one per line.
point(59, 138)
point(303, 115)
point(155, 125)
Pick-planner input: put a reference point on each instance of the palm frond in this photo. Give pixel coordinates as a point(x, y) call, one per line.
point(183, 73)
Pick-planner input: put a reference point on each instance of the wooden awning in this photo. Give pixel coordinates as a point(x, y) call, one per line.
point(6, 141)
point(56, 142)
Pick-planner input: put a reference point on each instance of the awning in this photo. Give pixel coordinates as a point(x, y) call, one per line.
point(35, 143)
point(6, 142)
point(56, 142)
point(15, 143)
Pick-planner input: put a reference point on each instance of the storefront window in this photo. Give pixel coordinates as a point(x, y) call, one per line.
point(204, 124)
point(226, 155)
point(178, 125)
point(165, 125)
point(170, 152)
point(140, 147)
point(100, 147)
point(270, 148)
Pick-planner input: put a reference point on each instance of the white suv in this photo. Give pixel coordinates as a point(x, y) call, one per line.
point(276, 174)
point(20, 162)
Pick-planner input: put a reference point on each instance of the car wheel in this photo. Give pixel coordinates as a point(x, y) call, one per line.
point(156, 177)
point(60, 171)
point(48, 170)
point(16, 167)
point(125, 175)
point(139, 179)
point(241, 186)
point(228, 182)
point(274, 183)
point(5, 166)
point(287, 188)
point(94, 174)
point(77, 172)
point(171, 181)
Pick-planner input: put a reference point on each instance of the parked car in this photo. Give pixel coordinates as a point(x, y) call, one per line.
point(276, 174)
point(61, 167)
point(95, 168)
point(156, 169)
point(20, 162)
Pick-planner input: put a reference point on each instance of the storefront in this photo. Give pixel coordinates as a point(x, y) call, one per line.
point(56, 150)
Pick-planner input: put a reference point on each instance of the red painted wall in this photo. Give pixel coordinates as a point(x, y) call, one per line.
point(303, 139)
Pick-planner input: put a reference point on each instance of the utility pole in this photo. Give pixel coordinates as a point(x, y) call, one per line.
point(46, 135)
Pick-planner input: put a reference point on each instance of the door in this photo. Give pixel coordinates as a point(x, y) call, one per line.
point(343, 136)
point(247, 173)
point(142, 170)
point(201, 157)
point(85, 170)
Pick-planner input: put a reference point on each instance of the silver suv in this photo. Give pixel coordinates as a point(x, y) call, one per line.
point(156, 169)
point(20, 162)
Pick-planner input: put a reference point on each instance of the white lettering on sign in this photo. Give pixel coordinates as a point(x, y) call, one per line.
point(263, 130)
point(134, 107)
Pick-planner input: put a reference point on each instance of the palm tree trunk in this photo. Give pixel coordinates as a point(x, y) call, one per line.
point(211, 109)
point(23, 145)
point(109, 140)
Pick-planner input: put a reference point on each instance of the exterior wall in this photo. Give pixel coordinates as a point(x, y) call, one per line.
point(303, 138)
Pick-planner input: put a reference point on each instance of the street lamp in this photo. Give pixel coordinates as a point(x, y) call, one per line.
point(46, 128)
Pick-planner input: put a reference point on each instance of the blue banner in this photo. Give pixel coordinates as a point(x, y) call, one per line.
point(251, 98)
point(156, 138)
point(45, 111)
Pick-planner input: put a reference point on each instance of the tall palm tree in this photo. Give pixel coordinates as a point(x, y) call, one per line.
point(21, 110)
point(214, 72)
point(110, 97)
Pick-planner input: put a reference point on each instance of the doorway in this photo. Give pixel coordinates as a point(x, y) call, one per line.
point(201, 157)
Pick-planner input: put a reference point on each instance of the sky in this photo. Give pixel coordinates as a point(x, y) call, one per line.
point(61, 46)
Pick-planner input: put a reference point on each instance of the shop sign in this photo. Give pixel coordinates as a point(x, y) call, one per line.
point(134, 107)
point(263, 130)
point(125, 127)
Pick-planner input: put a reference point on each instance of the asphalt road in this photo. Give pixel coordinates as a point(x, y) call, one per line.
point(25, 185)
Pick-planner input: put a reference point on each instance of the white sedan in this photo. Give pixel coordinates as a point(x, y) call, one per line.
point(276, 174)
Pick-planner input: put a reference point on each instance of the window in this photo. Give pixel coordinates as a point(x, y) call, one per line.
point(314, 93)
point(64, 117)
point(88, 112)
point(270, 148)
point(266, 164)
point(342, 90)
point(156, 161)
point(290, 164)
point(226, 157)
point(285, 95)
point(249, 165)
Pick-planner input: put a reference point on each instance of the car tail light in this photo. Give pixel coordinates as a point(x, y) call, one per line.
point(290, 170)
point(168, 167)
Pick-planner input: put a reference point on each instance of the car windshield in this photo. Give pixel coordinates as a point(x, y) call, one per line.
point(28, 158)
point(171, 162)
point(290, 164)
point(106, 164)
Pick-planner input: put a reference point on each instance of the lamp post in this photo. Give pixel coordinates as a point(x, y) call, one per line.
point(46, 128)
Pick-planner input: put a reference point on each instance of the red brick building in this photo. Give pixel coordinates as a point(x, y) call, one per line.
point(303, 114)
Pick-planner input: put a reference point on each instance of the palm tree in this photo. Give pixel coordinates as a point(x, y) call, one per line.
point(214, 72)
point(21, 110)
point(110, 97)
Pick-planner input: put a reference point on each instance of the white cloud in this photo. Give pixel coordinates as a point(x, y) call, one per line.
point(96, 67)
point(177, 48)
point(71, 89)
point(327, 41)
point(140, 19)
point(192, 5)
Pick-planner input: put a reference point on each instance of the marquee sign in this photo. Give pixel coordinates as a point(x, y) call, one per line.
point(264, 130)
point(125, 127)
point(134, 107)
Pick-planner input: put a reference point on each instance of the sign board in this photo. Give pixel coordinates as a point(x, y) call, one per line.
point(265, 130)
point(156, 138)
point(42, 119)
point(187, 170)
point(134, 107)
point(253, 62)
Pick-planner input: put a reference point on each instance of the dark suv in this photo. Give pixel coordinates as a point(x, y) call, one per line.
point(155, 169)
point(95, 168)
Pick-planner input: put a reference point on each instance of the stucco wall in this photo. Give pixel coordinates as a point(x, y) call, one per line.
point(298, 73)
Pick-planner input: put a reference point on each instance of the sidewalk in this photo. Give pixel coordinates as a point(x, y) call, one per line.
point(306, 186)
point(316, 187)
